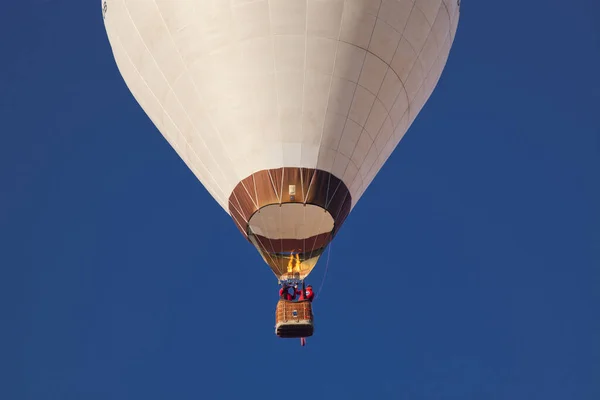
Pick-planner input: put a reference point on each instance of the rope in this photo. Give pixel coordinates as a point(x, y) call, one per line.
point(325, 273)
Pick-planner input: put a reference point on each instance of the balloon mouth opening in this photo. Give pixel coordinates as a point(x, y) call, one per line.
point(291, 222)
point(291, 237)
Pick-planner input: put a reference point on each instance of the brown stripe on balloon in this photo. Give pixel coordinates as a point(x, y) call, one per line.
point(328, 193)
point(343, 213)
point(234, 206)
point(245, 195)
point(249, 186)
point(239, 219)
point(265, 190)
point(310, 185)
point(272, 186)
point(339, 201)
point(278, 179)
point(292, 186)
point(307, 177)
point(254, 187)
point(236, 212)
point(318, 192)
point(245, 201)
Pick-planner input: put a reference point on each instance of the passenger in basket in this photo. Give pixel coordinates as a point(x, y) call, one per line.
point(306, 294)
point(284, 293)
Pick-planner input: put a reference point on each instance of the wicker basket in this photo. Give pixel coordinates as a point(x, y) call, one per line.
point(294, 319)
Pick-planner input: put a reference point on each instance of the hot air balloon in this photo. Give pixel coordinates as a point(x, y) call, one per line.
point(285, 110)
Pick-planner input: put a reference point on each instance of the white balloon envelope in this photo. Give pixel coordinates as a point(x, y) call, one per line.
point(285, 110)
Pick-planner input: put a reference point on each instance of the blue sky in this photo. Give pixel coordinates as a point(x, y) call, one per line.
point(112, 253)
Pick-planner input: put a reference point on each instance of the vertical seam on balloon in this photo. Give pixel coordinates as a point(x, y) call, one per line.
point(387, 142)
point(275, 79)
point(304, 81)
point(389, 69)
point(180, 104)
point(372, 142)
point(358, 174)
point(456, 10)
point(369, 115)
point(337, 46)
point(438, 10)
point(425, 73)
point(439, 55)
point(395, 51)
point(431, 26)
point(174, 93)
point(207, 114)
point(403, 115)
point(449, 17)
point(353, 95)
point(433, 64)
point(221, 198)
point(383, 80)
point(395, 126)
point(253, 103)
point(416, 57)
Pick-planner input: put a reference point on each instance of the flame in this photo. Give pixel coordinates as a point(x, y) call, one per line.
point(294, 260)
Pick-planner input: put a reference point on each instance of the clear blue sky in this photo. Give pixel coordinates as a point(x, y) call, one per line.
point(112, 256)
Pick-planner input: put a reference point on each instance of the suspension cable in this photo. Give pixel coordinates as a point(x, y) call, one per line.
point(324, 273)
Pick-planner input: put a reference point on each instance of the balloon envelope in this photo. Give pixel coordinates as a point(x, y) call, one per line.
point(285, 110)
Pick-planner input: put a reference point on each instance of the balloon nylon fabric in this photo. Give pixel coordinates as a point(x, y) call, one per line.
point(239, 88)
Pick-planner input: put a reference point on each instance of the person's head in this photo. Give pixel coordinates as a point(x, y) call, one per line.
point(309, 287)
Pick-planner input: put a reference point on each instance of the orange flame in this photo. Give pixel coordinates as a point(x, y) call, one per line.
point(294, 260)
